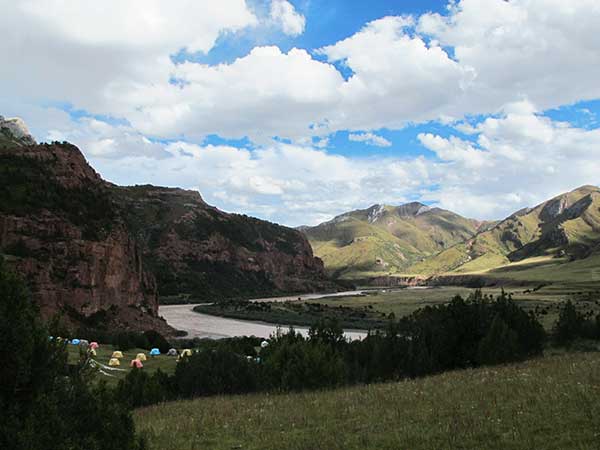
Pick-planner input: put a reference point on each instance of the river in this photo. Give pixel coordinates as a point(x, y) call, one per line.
point(182, 317)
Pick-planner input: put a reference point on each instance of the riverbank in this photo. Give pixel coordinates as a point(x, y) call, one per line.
point(297, 313)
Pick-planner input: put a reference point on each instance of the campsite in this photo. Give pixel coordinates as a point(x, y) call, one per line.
point(112, 375)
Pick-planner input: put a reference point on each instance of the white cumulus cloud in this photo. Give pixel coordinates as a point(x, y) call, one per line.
point(370, 139)
point(285, 15)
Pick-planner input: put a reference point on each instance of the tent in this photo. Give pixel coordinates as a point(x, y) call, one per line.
point(84, 342)
point(75, 341)
point(184, 353)
point(92, 352)
point(264, 344)
point(114, 362)
point(172, 352)
point(94, 345)
point(141, 356)
point(154, 352)
point(117, 354)
point(136, 363)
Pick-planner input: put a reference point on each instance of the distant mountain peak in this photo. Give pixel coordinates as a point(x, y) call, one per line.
point(587, 188)
point(412, 209)
point(16, 130)
point(375, 212)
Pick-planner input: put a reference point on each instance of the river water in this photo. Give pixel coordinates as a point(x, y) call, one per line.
point(182, 317)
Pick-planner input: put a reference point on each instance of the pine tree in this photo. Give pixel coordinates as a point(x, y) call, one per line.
point(500, 344)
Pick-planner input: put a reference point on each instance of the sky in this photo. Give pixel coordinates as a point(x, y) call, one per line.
point(297, 111)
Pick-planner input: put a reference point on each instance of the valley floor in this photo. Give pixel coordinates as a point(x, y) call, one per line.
point(549, 403)
point(369, 310)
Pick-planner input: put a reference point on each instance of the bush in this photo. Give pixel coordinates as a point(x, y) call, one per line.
point(140, 389)
point(293, 363)
point(572, 325)
point(212, 372)
point(499, 345)
point(155, 339)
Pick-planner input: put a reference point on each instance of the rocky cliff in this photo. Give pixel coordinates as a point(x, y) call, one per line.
point(95, 251)
point(197, 250)
point(60, 229)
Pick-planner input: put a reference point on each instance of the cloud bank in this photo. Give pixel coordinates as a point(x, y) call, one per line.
point(502, 62)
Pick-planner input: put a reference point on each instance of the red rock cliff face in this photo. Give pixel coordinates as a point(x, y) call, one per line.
point(198, 250)
point(102, 253)
point(58, 228)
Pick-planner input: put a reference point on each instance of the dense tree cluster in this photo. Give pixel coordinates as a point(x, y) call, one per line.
point(45, 404)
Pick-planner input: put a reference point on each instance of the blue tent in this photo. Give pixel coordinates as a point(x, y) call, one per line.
point(75, 342)
point(154, 352)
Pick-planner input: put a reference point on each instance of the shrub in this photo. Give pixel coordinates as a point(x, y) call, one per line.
point(211, 372)
point(499, 345)
point(293, 363)
point(569, 324)
point(140, 389)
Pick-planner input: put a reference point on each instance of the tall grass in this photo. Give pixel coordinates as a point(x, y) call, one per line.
point(547, 403)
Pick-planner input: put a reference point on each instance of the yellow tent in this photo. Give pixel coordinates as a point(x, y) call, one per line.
point(141, 356)
point(185, 352)
point(114, 362)
point(92, 352)
point(117, 354)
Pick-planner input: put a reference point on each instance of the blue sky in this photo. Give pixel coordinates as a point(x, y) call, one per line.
point(296, 111)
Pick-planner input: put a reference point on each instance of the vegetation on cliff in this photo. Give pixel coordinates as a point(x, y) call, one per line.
point(203, 253)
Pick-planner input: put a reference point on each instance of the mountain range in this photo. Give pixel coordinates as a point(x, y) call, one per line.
point(416, 240)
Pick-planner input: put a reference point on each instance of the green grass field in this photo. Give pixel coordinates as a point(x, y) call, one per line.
point(550, 403)
point(371, 310)
point(165, 363)
point(402, 302)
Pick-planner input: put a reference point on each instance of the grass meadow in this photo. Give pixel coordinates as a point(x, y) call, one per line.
point(550, 403)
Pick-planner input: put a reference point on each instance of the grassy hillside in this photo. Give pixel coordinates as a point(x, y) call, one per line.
point(413, 239)
point(567, 225)
point(386, 239)
point(549, 403)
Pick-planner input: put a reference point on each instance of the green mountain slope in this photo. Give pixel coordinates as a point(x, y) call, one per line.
point(566, 226)
point(386, 239)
